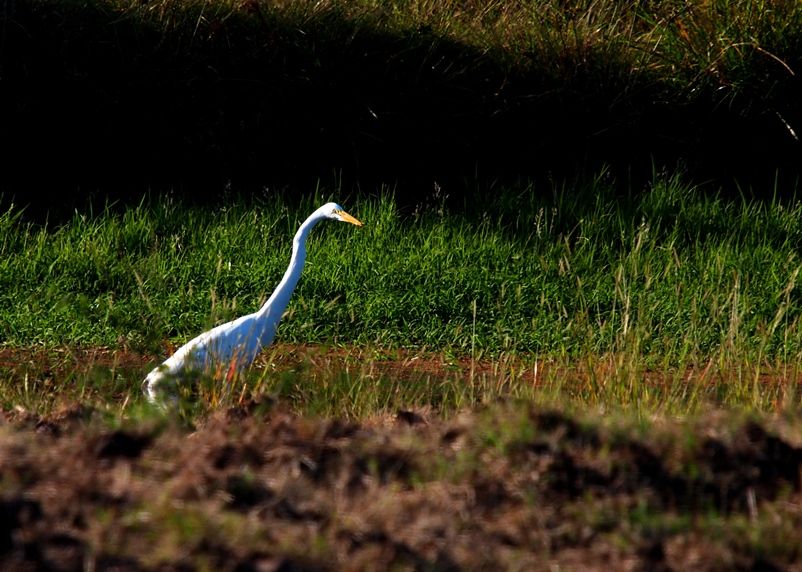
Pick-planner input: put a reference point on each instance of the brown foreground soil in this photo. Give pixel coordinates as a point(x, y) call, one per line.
point(507, 487)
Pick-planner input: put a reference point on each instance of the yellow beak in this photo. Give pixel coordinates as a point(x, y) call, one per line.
point(348, 218)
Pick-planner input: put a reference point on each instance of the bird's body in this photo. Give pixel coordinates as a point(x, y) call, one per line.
point(234, 345)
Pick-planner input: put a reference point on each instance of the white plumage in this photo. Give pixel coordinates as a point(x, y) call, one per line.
point(234, 345)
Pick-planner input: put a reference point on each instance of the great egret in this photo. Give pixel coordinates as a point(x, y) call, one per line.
point(233, 346)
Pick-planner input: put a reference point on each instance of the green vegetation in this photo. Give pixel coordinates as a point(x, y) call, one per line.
point(672, 273)
point(571, 352)
point(650, 290)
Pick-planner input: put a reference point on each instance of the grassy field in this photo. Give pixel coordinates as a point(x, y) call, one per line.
point(649, 289)
point(567, 337)
point(585, 376)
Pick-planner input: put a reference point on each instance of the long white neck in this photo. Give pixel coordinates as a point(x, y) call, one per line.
point(273, 309)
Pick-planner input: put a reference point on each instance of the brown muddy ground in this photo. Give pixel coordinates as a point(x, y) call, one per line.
point(506, 487)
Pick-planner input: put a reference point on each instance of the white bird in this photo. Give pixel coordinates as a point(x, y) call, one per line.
point(234, 345)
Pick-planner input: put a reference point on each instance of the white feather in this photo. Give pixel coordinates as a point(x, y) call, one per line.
point(234, 345)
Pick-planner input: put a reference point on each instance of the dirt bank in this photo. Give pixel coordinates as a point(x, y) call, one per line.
point(507, 487)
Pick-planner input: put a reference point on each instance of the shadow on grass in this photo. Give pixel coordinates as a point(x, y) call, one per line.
point(110, 98)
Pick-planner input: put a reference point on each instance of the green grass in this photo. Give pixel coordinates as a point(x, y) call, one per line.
point(634, 293)
point(673, 274)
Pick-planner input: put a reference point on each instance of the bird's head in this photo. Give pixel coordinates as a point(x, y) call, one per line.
point(335, 212)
